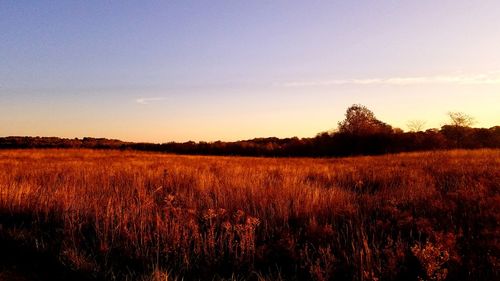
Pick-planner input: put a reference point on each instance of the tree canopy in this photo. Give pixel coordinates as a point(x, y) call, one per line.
point(359, 120)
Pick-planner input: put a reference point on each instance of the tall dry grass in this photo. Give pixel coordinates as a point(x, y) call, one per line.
point(425, 216)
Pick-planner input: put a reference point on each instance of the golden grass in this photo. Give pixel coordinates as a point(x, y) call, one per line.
point(397, 217)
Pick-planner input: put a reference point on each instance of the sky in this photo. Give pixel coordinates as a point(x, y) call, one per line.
point(161, 71)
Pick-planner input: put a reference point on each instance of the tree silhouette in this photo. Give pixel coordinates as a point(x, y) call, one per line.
point(359, 120)
point(460, 119)
point(415, 125)
point(459, 128)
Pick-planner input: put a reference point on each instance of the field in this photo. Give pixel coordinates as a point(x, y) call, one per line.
point(119, 215)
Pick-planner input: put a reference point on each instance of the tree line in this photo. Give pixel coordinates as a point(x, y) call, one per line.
point(360, 133)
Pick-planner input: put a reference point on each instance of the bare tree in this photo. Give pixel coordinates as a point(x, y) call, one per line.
point(460, 119)
point(415, 125)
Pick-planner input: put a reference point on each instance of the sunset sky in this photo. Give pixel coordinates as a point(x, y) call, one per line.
point(207, 70)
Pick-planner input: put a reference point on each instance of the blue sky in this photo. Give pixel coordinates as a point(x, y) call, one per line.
point(208, 70)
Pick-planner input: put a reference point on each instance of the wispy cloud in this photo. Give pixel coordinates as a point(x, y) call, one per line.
point(477, 79)
point(149, 100)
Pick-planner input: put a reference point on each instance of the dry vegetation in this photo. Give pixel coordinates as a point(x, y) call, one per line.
point(117, 215)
